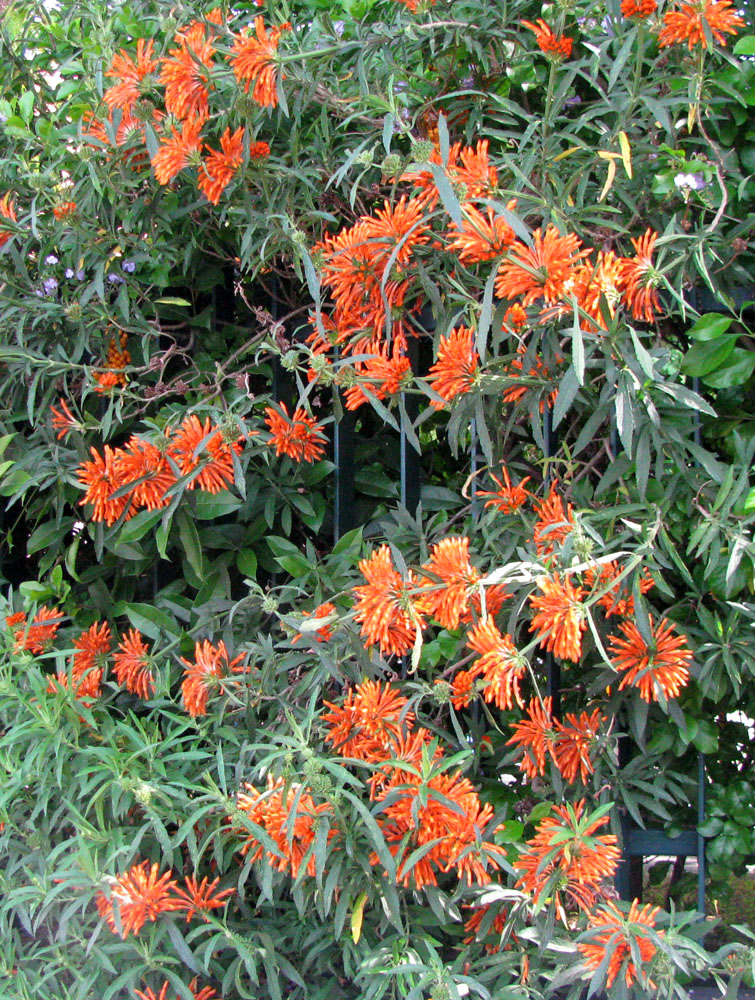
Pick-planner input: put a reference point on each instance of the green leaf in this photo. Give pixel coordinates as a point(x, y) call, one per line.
point(707, 355)
point(710, 326)
point(48, 534)
point(357, 916)
point(150, 620)
point(745, 46)
point(289, 557)
point(172, 300)
point(208, 506)
point(736, 371)
point(246, 563)
point(187, 531)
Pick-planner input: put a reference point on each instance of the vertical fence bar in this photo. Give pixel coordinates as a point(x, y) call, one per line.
point(344, 451)
point(552, 666)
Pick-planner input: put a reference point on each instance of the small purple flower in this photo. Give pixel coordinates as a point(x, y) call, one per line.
point(696, 182)
point(338, 27)
point(115, 279)
point(49, 285)
point(80, 275)
point(572, 101)
point(51, 259)
point(128, 266)
point(69, 272)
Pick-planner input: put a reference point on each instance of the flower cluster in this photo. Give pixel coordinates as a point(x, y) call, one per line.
point(141, 894)
point(423, 807)
point(204, 674)
point(121, 481)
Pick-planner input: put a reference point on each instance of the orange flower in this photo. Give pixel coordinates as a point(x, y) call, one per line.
point(566, 856)
point(638, 8)
point(381, 376)
point(574, 742)
point(259, 150)
point(324, 633)
point(129, 74)
point(553, 523)
point(149, 993)
point(558, 46)
point(36, 637)
point(299, 437)
point(179, 151)
point(385, 609)
point(206, 993)
point(622, 937)
point(541, 271)
point(220, 166)
point(659, 666)
point(481, 239)
point(500, 664)
point(506, 498)
point(640, 279)
point(137, 896)
point(463, 688)
point(92, 649)
point(598, 286)
point(253, 58)
point(198, 896)
point(496, 928)
point(446, 810)
point(536, 734)
point(145, 468)
point(131, 665)
point(560, 617)
point(212, 473)
point(63, 421)
point(475, 172)
point(455, 585)
point(65, 210)
point(685, 24)
point(514, 319)
point(186, 73)
point(539, 371)
point(454, 371)
point(7, 211)
point(100, 477)
point(211, 664)
point(293, 832)
point(369, 723)
point(618, 599)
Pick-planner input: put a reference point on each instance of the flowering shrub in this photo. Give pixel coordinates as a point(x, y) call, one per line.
point(263, 269)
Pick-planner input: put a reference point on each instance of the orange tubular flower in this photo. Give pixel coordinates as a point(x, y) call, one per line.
point(137, 896)
point(618, 600)
point(574, 742)
point(65, 210)
point(536, 735)
point(566, 856)
point(454, 371)
point(63, 421)
point(639, 9)
point(560, 617)
point(370, 722)
point(474, 170)
point(220, 166)
point(496, 929)
point(129, 74)
point(385, 609)
point(213, 473)
point(553, 523)
point(7, 211)
point(186, 73)
point(481, 239)
point(500, 664)
point(149, 993)
point(131, 665)
point(447, 810)
point(37, 637)
point(253, 61)
point(293, 834)
point(662, 665)
point(324, 633)
point(89, 661)
point(640, 279)
point(298, 436)
point(100, 478)
point(558, 46)
point(506, 498)
point(179, 151)
point(541, 271)
point(198, 896)
point(623, 936)
point(146, 469)
point(455, 585)
point(202, 676)
point(381, 376)
point(684, 25)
